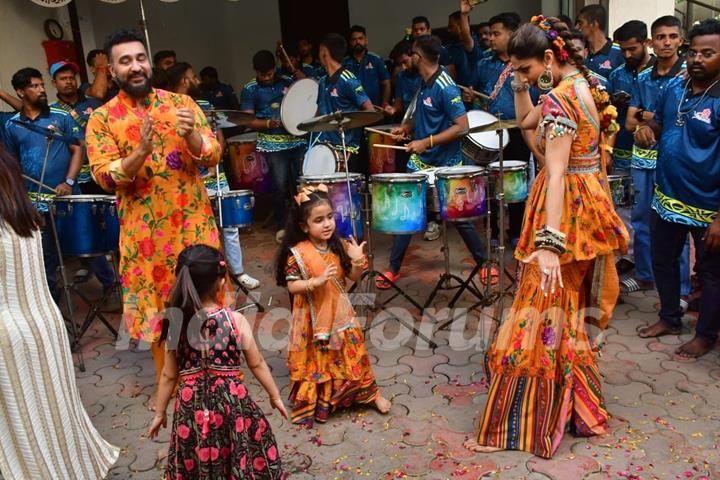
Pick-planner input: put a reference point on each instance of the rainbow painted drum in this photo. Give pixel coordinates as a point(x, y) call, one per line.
point(382, 160)
point(248, 169)
point(338, 193)
point(462, 192)
point(515, 180)
point(399, 202)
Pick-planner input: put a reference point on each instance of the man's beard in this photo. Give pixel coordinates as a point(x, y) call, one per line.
point(194, 91)
point(633, 63)
point(700, 75)
point(136, 91)
point(359, 49)
point(39, 103)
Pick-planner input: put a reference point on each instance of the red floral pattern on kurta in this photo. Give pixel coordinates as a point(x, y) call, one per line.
point(163, 209)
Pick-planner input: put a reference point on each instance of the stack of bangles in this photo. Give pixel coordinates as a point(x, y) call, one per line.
point(550, 239)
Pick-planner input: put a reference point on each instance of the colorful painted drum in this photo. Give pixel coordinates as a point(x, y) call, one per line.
point(237, 208)
point(110, 227)
point(248, 169)
point(462, 193)
point(338, 193)
point(621, 188)
point(515, 180)
point(399, 202)
point(382, 160)
point(78, 220)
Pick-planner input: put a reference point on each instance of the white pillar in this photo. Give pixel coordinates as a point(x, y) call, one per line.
point(621, 11)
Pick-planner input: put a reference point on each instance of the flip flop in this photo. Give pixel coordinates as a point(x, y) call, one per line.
point(630, 285)
point(382, 284)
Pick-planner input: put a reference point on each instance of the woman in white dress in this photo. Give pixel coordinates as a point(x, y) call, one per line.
point(45, 431)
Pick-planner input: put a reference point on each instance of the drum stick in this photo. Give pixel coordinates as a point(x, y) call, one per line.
point(287, 58)
point(32, 180)
point(380, 132)
point(477, 94)
point(392, 147)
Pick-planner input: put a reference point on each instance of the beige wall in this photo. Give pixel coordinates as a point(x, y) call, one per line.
point(21, 39)
point(620, 11)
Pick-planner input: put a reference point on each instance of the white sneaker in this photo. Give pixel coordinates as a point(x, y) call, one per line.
point(248, 282)
point(279, 236)
point(432, 232)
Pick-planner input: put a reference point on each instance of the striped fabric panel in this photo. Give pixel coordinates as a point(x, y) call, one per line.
point(49, 434)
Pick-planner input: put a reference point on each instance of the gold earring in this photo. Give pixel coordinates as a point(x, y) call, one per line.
point(546, 80)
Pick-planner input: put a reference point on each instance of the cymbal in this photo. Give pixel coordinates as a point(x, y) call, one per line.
point(230, 118)
point(333, 121)
point(492, 127)
point(48, 132)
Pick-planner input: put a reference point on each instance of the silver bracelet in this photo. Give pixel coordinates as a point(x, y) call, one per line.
point(518, 87)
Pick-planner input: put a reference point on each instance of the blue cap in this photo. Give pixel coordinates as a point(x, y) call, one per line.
point(57, 66)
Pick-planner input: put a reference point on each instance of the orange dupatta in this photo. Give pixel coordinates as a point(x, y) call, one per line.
point(330, 308)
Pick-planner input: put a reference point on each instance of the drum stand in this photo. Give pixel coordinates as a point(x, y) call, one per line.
point(443, 282)
point(95, 308)
point(240, 287)
point(369, 275)
point(75, 338)
point(500, 294)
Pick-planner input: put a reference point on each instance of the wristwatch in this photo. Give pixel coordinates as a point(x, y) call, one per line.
point(70, 181)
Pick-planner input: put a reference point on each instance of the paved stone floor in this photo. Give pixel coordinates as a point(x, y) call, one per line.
point(665, 410)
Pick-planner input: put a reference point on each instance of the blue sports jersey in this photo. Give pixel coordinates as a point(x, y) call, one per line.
point(465, 61)
point(80, 112)
point(621, 79)
point(687, 181)
point(265, 101)
point(29, 147)
point(406, 86)
point(344, 92)
point(437, 106)
point(605, 60)
point(371, 70)
point(647, 87)
point(488, 76)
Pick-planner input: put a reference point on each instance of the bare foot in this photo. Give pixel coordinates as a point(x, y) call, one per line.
point(152, 401)
point(382, 404)
point(695, 348)
point(473, 446)
point(658, 329)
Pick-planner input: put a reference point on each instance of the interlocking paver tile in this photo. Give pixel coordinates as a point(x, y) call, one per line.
point(559, 468)
point(459, 375)
point(625, 394)
point(385, 376)
point(648, 362)
point(455, 357)
point(461, 395)
point(389, 358)
point(423, 367)
point(422, 387)
point(698, 371)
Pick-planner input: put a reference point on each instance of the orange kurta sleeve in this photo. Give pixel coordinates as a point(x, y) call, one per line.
point(104, 154)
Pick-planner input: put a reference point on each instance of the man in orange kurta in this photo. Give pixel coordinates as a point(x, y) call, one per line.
point(146, 145)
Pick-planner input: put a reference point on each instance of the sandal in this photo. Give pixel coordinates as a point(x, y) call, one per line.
point(382, 284)
point(630, 285)
point(494, 275)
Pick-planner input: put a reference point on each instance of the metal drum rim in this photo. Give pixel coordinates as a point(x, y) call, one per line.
point(250, 137)
point(82, 198)
point(398, 178)
point(336, 177)
point(512, 165)
point(446, 172)
point(234, 193)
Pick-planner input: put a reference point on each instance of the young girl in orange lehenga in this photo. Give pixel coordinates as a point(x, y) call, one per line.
point(329, 366)
point(544, 374)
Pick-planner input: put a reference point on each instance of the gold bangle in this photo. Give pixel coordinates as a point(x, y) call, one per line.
point(267, 123)
point(310, 287)
point(358, 262)
point(607, 148)
point(432, 144)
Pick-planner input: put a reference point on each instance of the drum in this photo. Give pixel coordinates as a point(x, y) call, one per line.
point(515, 180)
point(237, 208)
point(248, 169)
point(110, 227)
point(299, 104)
point(621, 189)
point(79, 220)
point(482, 148)
point(398, 202)
point(338, 193)
point(322, 159)
point(382, 160)
point(462, 193)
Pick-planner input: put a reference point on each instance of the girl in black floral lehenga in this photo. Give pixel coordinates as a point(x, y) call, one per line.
point(218, 432)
